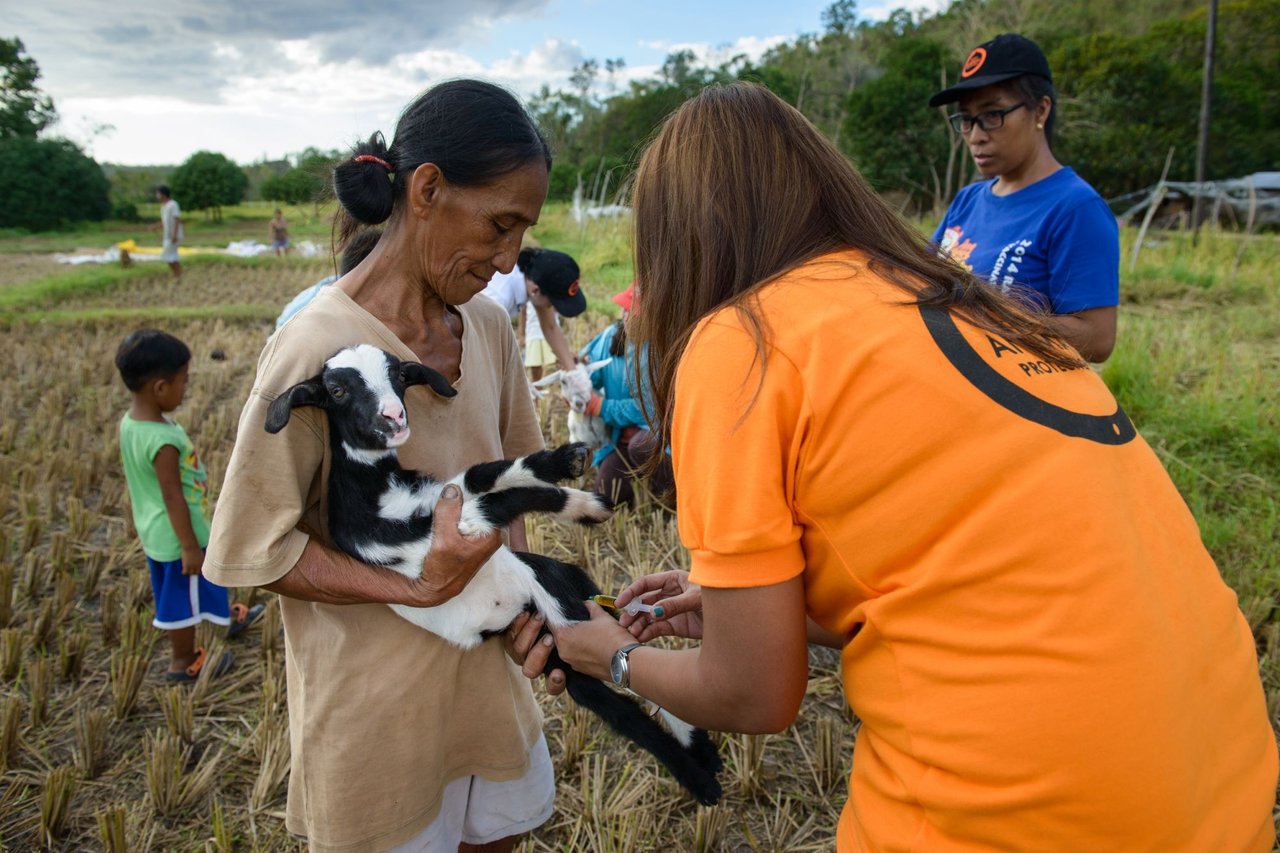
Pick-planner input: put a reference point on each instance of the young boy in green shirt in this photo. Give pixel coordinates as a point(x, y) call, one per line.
point(167, 485)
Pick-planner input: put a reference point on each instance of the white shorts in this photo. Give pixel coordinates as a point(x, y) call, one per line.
point(538, 353)
point(478, 811)
point(169, 252)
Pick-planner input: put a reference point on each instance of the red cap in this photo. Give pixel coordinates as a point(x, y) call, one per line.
point(625, 298)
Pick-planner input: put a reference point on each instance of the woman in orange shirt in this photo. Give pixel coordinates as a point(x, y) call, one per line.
point(874, 450)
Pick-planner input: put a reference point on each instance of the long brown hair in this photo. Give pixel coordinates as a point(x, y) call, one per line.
point(736, 189)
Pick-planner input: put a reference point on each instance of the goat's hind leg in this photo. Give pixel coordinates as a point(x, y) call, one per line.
point(694, 768)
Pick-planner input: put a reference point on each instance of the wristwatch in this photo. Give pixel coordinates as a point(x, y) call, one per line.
point(619, 668)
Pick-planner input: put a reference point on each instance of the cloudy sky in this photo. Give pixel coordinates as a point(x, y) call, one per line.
point(150, 83)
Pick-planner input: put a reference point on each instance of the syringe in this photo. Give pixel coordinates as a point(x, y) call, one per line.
point(635, 605)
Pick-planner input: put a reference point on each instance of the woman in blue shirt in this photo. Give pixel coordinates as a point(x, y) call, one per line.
point(1033, 223)
point(630, 442)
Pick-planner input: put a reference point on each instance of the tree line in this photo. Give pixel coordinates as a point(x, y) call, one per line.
point(1128, 78)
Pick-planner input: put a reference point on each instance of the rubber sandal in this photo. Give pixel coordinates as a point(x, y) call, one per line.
point(242, 617)
point(192, 672)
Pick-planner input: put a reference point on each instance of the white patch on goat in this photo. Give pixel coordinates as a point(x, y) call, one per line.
point(405, 558)
point(582, 506)
point(401, 503)
point(495, 596)
point(681, 730)
point(364, 457)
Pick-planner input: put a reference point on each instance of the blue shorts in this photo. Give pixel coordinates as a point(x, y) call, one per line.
point(184, 600)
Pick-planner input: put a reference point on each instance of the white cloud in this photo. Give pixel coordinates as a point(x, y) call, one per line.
point(753, 47)
point(306, 100)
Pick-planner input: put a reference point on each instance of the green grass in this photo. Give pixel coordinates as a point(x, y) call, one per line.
point(1196, 367)
point(50, 298)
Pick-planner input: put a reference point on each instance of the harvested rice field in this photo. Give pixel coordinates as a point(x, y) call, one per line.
point(97, 753)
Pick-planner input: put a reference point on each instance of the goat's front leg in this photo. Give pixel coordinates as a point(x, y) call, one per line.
point(544, 468)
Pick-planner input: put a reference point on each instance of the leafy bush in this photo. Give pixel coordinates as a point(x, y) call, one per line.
point(301, 185)
point(49, 183)
point(207, 181)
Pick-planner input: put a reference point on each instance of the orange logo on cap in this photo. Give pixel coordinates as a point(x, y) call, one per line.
point(974, 62)
point(573, 289)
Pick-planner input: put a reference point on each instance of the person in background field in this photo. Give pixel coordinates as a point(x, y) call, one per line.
point(1033, 223)
point(631, 442)
point(401, 741)
point(1042, 654)
point(545, 284)
point(357, 249)
point(167, 486)
point(171, 226)
point(279, 233)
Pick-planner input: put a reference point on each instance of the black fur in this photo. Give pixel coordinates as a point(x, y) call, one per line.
point(694, 768)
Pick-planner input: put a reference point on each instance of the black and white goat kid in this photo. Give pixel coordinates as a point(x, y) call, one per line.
point(381, 514)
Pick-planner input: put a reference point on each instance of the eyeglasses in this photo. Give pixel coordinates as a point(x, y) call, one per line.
point(992, 120)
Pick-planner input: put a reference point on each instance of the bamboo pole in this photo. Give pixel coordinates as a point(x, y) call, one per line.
point(1157, 196)
point(1206, 112)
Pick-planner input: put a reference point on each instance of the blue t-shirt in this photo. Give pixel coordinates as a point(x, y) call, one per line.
point(1056, 237)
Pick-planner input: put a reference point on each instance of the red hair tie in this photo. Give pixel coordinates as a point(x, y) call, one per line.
point(369, 158)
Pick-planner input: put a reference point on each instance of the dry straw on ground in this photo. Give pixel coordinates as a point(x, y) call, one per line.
point(98, 753)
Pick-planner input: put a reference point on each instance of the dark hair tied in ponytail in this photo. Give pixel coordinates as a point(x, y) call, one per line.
point(363, 182)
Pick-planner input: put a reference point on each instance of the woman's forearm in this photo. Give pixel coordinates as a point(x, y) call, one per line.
point(332, 577)
point(325, 575)
point(749, 674)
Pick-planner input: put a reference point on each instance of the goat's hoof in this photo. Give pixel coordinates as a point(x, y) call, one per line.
point(576, 461)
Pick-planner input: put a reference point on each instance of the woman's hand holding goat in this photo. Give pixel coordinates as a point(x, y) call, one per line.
point(453, 558)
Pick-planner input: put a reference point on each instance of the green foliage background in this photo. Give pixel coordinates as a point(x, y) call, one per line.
point(1128, 77)
point(49, 183)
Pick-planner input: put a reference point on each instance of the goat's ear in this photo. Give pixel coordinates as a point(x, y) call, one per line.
point(548, 379)
point(308, 393)
point(596, 365)
point(412, 373)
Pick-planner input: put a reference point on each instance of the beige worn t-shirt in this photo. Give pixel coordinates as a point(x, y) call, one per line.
point(382, 714)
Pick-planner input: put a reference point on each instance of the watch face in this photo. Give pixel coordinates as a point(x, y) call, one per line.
point(615, 667)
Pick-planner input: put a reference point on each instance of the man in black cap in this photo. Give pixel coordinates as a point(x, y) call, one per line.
point(1034, 224)
point(543, 287)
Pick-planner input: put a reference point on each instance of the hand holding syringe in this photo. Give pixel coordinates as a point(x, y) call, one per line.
point(635, 605)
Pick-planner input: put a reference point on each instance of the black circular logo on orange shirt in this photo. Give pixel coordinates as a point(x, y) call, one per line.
point(1115, 428)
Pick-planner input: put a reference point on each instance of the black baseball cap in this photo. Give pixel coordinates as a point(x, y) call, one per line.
point(556, 275)
point(1006, 56)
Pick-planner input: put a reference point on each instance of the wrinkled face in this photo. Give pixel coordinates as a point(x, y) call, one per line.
point(476, 231)
point(366, 398)
point(1005, 149)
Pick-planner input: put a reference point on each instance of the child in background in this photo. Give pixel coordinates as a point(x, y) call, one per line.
point(279, 233)
point(167, 484)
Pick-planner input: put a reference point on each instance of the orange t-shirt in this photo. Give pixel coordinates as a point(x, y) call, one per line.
point(1043, 654)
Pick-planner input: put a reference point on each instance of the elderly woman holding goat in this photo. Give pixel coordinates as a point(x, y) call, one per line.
point(1041, 651)
point(398, 737)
